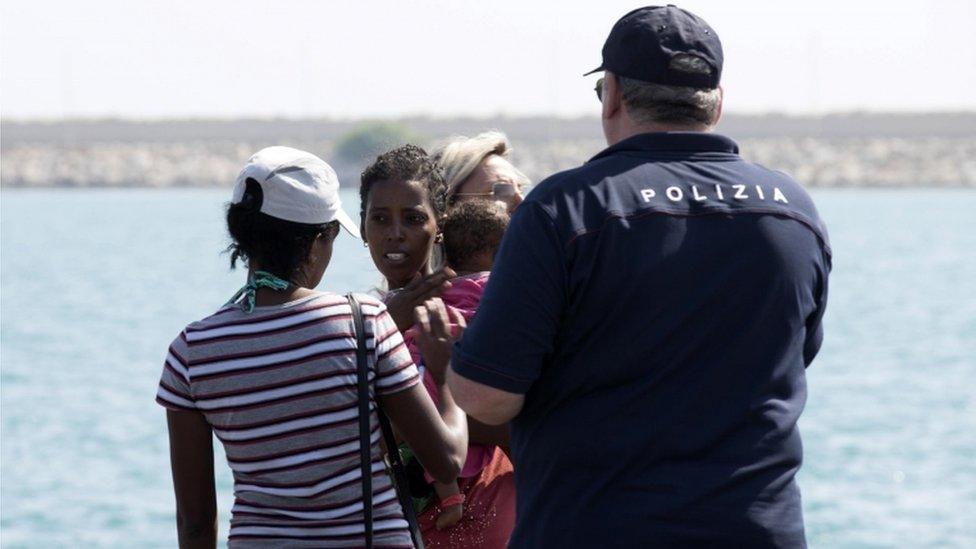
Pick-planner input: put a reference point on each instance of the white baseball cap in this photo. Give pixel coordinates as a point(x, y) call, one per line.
point(296, 186)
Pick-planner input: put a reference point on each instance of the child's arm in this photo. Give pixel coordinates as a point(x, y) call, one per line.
point(451, 502)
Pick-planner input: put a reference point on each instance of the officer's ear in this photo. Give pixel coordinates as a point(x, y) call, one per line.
point(721, 100)
point(612, 98)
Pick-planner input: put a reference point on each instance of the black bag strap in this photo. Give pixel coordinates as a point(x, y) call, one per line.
point(400, 482)
point(365, 446)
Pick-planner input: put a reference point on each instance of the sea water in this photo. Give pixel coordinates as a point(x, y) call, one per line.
point(95, 284)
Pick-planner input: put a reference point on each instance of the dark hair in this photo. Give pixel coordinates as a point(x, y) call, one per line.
point(279, 246)
point(406, 163)
point(470, 228)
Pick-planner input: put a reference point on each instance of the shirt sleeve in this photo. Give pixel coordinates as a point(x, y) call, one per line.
point(815, 332)
point(513, 333)
point(174, 384)
point(395, 370)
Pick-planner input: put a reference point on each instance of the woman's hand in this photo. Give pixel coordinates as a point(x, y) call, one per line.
point(435, 335)
point(401, 303)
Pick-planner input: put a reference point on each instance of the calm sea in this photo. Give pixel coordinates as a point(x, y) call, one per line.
point(95, 283)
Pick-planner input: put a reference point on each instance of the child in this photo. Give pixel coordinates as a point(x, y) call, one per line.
point(472, 232)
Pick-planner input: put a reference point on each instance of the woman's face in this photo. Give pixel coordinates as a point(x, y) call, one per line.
point(493, 169)
point(400, 228)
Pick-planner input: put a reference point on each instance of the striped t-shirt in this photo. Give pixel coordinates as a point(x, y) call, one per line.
point(278, 387)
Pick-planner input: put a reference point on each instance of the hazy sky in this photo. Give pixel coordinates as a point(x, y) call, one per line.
point(224, 58)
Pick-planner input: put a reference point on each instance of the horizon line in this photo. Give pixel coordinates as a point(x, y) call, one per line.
point(428, 116)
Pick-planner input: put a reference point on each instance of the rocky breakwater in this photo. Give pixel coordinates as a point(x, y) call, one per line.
point(124, 164)
point(869, 162)
point(817, 152)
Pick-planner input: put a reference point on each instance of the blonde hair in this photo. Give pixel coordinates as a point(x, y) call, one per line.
point(460, 156)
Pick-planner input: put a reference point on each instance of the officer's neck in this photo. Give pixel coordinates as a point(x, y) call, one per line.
point(627, 128)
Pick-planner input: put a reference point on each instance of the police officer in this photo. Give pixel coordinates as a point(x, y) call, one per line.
point(649, 320)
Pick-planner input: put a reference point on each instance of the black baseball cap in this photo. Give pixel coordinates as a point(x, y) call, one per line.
point(648, 43)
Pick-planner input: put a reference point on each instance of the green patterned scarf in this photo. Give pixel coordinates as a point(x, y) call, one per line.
point(260, 279)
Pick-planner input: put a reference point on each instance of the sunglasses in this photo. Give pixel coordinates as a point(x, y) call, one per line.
point(599, 89)
point(500, 190)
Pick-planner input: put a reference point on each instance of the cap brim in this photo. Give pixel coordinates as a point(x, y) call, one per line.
point(347, 223)
point(598, 69)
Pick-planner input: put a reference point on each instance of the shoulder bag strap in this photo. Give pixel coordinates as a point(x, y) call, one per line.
point(365, 447)
point(400, 481)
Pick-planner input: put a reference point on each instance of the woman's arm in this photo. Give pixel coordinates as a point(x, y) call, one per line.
point(438, 436)
point(191, 459)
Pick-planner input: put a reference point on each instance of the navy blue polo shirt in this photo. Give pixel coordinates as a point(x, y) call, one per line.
point(657, 307)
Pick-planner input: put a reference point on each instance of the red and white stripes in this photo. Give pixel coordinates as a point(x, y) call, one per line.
point(278, 387)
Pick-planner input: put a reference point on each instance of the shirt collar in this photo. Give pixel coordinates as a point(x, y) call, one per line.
point(684, 142)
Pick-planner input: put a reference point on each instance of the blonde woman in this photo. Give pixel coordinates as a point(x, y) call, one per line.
point(478, 168)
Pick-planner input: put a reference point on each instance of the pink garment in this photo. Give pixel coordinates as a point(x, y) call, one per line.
point(464, 295)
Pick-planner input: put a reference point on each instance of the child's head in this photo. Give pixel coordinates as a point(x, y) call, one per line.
point(472, 233)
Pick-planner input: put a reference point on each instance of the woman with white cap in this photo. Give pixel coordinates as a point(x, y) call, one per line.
point(273, 374)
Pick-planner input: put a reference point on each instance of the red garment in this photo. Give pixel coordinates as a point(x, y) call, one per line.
point(489, 510)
